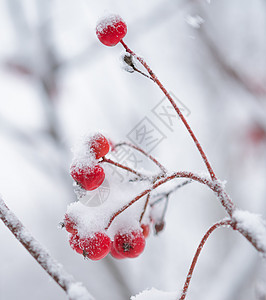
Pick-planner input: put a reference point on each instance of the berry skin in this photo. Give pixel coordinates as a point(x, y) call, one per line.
point(99, 145)
point(145, 230)
point(88, 178)
point(129, 244)
point(70, 225)
point(74, 242)
point(115, 254)
point(111, 30)
point(96, 246)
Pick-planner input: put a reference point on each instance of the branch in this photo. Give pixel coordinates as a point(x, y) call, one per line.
point(75, 290)
point(196, 256)
point(179, 113)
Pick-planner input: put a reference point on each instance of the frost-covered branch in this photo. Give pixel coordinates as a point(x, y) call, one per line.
point(75, 290)
point(249, 225)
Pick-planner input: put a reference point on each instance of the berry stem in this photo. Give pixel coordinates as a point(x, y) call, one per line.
point(145, 207)
point(162, 196)
point(43, 258)
point(196, 256)
point(163, 169)
point(215, 186)
point(109, 161)
point(156, 80)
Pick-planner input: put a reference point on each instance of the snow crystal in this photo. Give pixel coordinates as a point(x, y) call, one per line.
point(77, 291)
point(253, 224)
point(107, 20)
point(154, 294)
point(194, 21)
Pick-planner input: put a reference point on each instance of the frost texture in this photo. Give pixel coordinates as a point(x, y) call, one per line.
point(77, 292)
point(108, 20)
point(154, 294)
point(42, 256)
point(252, 224)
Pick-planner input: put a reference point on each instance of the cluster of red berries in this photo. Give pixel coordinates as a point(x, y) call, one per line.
point(92, 176)
point(98, 244)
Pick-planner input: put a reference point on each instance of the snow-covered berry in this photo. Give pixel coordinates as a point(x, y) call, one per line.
point(130, 244)
point(110, 30)
point(89, 178)
point(99, 145)
point(96, 246)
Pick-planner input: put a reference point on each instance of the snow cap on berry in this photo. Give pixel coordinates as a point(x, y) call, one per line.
point(111, 29)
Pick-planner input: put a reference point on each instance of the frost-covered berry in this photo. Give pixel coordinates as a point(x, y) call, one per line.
point(110, 30)
point(96, 246)
point(159, 226)
point(130, 244)
point(115, 254)
point(89, 178)
point(99, 145)
point(74, 243)
point(70, 225)
point(145, 230)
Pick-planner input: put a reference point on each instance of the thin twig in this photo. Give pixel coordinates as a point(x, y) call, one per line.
point(196, 256)
point(42, 256)
point(145, 207)
point(156, 80)
point(109, 161)
point(163, 169)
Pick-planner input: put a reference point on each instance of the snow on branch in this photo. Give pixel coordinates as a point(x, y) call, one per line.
point(154, 294)
point(75, 290)
point(253, 227)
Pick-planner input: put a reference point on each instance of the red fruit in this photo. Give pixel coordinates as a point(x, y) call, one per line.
point(129, 244)
point(99, 145)
point(145, 230)
point(70, 225)
point(111, 30)
point(97, 246)
point(74, 242)
point(89, 178)
point(115, 254)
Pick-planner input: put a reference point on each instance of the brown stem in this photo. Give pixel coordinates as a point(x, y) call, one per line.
point(109, 161)
point(196, 256)
point(41, 255)
point(213, 185)
point(156, 80)
point(163, 169)
point(145, 207)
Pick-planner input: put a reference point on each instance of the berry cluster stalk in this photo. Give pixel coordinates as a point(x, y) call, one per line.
point(156, 80)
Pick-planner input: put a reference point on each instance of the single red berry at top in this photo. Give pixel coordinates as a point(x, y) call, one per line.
point(96, 246)
point(111, 30)
point(89, 178)
point(99, 145)
point(130, 244)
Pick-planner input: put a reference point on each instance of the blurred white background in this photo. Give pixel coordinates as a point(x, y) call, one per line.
point(58, 82)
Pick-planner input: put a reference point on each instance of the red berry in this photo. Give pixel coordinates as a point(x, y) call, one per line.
point(111, 30)
point(74, 242)
point(89, 178)
point(129, 244)
point(97, 246)
point(145, 230)
point(115, 254)
point(99, 145)
point(70, 225)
